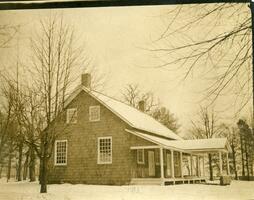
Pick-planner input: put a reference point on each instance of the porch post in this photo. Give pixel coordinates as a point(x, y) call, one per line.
point(191, 160)
point(203, 165)
point(228, 170)
point(172, 164)
point(161, 163)
point(198, 166)
point(220, 163)
point(181, 163)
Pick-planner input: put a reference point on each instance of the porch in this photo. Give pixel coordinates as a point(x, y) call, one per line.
point(175, 162)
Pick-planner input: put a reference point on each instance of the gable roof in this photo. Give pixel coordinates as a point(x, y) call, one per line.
point(132, 116)
point(195, 145)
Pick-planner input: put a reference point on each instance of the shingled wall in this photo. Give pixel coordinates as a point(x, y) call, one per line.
point(82, 137)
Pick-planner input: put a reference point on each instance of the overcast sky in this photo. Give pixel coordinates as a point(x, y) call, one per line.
point(115, 38)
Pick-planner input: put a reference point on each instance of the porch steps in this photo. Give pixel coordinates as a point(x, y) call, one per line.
point(146, 181)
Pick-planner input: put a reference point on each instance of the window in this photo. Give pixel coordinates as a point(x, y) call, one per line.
point(104, 150)
point(94, 113)
point(71, 116)
point(61, 152)
point(140, 156)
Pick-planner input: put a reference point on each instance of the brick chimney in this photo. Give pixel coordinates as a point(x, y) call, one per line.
point(141, 105)
point(86, 80)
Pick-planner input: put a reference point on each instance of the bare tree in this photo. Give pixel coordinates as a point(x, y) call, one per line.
point(57, 58)
point(19, 133)
point(132, 94)
point(206, 127)
point(56, 55)
point(32, 121)
point(12, 135)
point(212, 42)
point(19, 108)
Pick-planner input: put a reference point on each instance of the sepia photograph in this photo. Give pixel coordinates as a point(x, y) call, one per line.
point(126, 99)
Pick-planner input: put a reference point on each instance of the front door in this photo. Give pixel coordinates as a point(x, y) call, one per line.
point(151, 163)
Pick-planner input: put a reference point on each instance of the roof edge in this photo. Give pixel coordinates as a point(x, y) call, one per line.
point(150, 140)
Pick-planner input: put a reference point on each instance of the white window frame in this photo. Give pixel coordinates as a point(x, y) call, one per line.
point(55, 157)
point(143, 156)
point(90, 113)
point(68, 120)
point(98, 150)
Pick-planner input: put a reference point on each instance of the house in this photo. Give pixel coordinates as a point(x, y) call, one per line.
point(106, 141)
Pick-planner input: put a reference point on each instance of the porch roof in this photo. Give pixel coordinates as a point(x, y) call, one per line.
point(195, 145)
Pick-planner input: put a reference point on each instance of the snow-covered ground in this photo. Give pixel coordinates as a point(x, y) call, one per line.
point(30, 191)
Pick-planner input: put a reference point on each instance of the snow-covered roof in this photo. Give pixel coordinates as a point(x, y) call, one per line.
point(186, 145)
point(201, 144)
point(134, 117)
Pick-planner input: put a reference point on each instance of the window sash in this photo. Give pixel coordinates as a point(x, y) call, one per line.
point(104, 150)
point(61, 152)
point(71, 116)
point(140, 156)
point(94, 113)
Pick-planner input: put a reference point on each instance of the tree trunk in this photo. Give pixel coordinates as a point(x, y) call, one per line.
point(242, 154)
point(43, 164)
point(210, 166)
point(40, 170)
point(234, 161)
point(251, 162)
point(32, 165)
point(1, 169)
point(9, 163)
point(251, 147)
point(25, 168)
point(252, 172)
point(247, 160)
point(1, 144)
point(43, 174)
point(19, 170)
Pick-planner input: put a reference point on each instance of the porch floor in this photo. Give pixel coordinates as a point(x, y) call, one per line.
point(167, 181)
